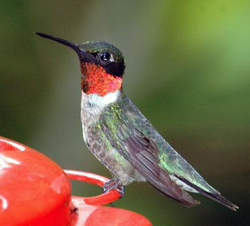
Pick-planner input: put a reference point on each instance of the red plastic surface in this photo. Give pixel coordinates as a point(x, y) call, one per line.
point(90, 215)
point(35, 191)
point(108, 216)
point(102, 199)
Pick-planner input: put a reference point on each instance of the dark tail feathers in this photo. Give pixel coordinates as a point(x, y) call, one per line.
point(214, 196)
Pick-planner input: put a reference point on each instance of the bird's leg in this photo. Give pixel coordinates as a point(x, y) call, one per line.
point(114, 184)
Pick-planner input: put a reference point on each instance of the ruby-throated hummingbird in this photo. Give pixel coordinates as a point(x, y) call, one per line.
point(120, 136)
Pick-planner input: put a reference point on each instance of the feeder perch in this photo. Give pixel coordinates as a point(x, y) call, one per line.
point(35, 191)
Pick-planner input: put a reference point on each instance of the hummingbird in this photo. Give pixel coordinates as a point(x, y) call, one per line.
point(121, 137)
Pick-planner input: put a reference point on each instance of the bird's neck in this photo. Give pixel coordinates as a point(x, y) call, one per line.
point(95, 80)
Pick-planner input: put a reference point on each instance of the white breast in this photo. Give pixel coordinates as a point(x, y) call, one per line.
point(92, 106)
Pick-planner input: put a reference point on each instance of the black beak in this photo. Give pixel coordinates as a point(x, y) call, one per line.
point(82, 54)
point(73, 46)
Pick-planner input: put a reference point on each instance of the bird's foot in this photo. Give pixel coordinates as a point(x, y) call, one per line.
point(114, 184)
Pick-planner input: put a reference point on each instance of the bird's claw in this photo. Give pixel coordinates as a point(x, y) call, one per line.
point(114, 184)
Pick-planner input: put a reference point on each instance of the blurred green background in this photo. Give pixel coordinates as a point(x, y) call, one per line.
point(188, 70)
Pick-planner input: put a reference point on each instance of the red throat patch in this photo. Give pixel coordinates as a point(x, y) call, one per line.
point(96, 80)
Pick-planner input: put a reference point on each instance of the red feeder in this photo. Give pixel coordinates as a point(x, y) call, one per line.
point(35, 191)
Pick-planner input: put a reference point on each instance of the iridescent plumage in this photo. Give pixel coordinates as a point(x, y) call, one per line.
point(123, 127)
point(121, 137)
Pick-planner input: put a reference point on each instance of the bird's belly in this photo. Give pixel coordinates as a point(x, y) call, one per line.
point(110, 158)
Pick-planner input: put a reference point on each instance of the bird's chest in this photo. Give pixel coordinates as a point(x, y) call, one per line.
point(92, 107)
point(91, 110)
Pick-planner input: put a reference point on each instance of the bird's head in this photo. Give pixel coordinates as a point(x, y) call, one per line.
point(102, 65)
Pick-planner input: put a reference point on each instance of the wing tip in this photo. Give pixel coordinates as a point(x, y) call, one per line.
point(234, 207)
point(212, 195)
point(222, 200)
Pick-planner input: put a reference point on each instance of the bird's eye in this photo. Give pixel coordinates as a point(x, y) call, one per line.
point(105, 56)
